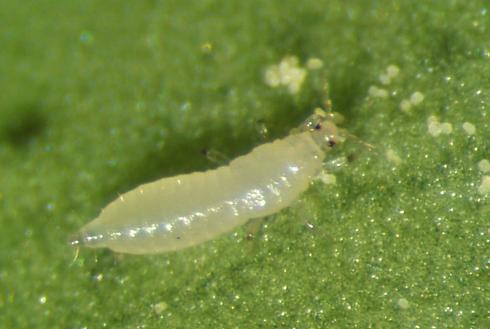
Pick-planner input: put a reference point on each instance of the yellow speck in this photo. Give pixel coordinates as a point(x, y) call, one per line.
point(207, 47)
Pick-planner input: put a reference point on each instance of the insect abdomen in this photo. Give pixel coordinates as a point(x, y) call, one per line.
point(177, 212)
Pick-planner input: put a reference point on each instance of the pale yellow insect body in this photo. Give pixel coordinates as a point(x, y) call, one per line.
point(177, 212)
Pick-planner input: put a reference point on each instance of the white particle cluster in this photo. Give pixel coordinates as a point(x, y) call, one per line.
point(393, 157)
point(469, 128)
point(484, 165)
point(375, 91)
point(390, 73)
point(314, 63)
point(415, 99)
point(484, 185)
point(405, 105)
point(385, 78)
point(437, 128)
point(327, 178)
point(287, 73)
point(403, 303)
point(159, 308)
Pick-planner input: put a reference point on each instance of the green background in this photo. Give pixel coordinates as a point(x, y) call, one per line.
point(98, 97)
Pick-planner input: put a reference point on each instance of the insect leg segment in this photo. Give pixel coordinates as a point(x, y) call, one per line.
point(326, 177)
point(335, 164)
point(216, 156)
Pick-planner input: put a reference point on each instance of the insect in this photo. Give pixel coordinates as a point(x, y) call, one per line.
point(177, 212)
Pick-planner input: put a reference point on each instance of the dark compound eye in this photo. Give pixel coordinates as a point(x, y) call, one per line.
point(318, 126)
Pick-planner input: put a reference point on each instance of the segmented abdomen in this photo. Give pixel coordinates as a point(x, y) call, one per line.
point(176, 212)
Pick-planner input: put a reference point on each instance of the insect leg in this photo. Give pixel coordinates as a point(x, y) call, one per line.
point(216, 156)
point(253, 226)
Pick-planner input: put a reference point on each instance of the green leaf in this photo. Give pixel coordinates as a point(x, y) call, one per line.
point(101, 96)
